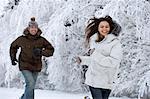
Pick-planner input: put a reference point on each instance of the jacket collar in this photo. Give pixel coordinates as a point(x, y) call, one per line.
point(109, 38)
point(26, 33)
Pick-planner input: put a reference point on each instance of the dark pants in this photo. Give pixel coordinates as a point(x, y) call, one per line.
point(30, 80)
point(99, 93)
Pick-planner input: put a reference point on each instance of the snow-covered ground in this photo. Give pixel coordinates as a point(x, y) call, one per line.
point(13, 93)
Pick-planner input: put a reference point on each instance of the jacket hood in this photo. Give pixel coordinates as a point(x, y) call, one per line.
point(26, 32)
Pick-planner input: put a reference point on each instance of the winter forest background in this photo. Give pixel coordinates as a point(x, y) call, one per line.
point(63, 23)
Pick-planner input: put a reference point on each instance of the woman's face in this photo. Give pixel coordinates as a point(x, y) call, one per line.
point(104, 28)
point(33, 30)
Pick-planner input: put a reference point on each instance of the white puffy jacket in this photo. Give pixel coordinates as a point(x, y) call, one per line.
point(103, 63)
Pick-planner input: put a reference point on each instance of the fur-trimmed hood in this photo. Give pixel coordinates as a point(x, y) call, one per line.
point(26, 32)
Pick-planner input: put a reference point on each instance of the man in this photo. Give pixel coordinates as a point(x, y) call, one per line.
point(33, 47)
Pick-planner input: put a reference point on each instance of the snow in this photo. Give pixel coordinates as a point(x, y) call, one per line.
point(3, 3)
point(13, 93)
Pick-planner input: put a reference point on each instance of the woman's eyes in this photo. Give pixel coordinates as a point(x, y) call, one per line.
point(104, 26)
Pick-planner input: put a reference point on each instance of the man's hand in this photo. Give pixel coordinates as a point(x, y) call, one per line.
point(14, 61)
point(37, 52)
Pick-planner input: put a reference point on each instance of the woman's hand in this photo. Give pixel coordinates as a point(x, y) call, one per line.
point(78, 60)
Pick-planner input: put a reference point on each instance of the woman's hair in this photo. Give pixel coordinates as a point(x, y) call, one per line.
point(92, 28)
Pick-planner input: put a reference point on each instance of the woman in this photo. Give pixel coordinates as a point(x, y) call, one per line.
point(105, 58)
point(33, 47)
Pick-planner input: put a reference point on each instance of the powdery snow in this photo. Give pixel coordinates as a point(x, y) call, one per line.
point(13, 93)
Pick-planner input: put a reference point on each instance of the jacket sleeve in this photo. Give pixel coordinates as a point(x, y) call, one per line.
point(14, 47)
point(48, 49)
point(114, 59)
point(85, 60)
point(94, 57)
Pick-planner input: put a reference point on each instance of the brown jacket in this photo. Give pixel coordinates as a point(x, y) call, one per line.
point(27, 42)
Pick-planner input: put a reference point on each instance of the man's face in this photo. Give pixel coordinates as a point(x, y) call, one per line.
point(33, 30)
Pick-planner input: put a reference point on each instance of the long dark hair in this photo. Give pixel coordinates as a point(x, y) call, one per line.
point(92, 28)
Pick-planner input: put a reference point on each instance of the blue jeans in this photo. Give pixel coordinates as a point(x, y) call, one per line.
point(30, 80)
point(99, 93)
